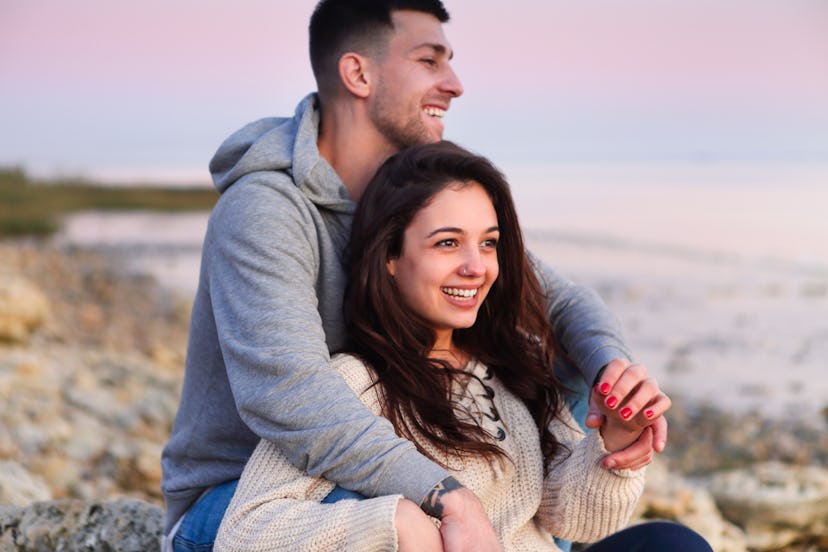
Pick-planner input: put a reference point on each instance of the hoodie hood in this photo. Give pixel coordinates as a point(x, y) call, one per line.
point(285, 145)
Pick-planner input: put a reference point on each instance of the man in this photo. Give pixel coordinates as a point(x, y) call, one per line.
point(267, 311)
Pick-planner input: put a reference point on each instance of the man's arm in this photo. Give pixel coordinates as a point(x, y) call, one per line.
point(584, 327)
point(262, 278)
point(591, 337)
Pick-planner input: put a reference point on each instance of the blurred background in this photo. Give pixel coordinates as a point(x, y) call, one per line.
point(671, 155)
point(635, 134)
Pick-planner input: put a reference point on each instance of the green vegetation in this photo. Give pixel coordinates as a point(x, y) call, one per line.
point(29, 208)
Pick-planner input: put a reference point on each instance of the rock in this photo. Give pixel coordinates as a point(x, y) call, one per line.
point(23, 308)
point(18, 487)
point(126, 525)
point(668, 495)
point(777, 504)
point(89, 423)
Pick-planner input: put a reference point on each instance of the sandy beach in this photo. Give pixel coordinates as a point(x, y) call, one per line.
point(730, 334)
point(719, 274)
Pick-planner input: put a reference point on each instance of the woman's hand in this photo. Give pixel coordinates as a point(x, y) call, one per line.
point(631, 401)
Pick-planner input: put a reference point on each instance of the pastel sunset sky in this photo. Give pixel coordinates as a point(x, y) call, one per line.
point(95, 86)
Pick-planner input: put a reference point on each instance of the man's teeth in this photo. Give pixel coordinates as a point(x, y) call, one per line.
point(460, 293)
point(435, 112)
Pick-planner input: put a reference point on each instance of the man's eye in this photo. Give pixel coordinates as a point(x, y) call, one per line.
point(429, 61)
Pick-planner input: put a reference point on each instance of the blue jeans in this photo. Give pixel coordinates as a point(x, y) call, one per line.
point(199, 528)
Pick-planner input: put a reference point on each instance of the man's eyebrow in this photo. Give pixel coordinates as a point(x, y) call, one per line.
point(441, 49)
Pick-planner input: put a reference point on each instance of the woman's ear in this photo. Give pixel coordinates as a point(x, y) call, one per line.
point(354, 72)
point(391, 265)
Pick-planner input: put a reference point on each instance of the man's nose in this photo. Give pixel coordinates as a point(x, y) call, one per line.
point(451, 84)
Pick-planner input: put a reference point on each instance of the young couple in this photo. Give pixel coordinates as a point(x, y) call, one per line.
point(269, 310)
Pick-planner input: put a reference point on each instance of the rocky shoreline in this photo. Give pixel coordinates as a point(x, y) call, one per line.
point(90, 371)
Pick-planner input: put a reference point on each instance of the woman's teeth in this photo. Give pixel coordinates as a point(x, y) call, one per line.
point(460, 293)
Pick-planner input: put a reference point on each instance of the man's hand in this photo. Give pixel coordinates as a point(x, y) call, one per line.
point(415, 530)
point(465, 527)
point(632, 390)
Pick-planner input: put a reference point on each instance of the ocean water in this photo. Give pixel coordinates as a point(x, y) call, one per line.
point(718, 273)
point(763, 213)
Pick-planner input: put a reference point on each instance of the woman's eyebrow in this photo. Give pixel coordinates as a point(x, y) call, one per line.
point(451, 229)
point(455, 230)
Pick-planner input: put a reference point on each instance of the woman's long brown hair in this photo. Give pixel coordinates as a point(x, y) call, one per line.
point(511, 336)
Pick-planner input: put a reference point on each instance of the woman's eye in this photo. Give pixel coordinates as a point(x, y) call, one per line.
point(490, 243)
point(450, 242)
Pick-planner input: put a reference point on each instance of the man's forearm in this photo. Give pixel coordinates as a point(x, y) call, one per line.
point(584, 327)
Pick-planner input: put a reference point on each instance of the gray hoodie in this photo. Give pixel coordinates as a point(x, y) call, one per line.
point(267, 313)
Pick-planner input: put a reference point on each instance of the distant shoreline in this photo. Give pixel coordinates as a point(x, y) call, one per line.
point(32, 208)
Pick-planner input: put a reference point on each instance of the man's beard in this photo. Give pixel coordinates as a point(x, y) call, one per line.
point(400, 132)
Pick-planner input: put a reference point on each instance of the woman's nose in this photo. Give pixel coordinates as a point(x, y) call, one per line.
point(473, 265)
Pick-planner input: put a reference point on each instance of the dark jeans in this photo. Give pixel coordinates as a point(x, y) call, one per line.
point(654, 536)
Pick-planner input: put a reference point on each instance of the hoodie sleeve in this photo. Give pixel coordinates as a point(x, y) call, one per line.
point(584, 327)
point(262, 259)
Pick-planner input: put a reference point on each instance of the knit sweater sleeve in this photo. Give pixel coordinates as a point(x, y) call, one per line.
point(278, 507)
point(582, 501)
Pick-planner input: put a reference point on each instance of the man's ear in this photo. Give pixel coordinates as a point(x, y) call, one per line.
point(355, 74)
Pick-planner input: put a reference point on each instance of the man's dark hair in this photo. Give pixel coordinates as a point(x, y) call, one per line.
point(362, 26)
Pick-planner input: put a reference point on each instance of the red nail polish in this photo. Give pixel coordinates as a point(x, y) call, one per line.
point(611, 402)
point(605, 388)
point(649, 414)
point(626, 413)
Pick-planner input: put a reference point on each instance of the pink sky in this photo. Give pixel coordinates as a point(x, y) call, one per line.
point(91, 83)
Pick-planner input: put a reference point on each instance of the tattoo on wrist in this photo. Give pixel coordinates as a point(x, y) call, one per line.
point(432, 504)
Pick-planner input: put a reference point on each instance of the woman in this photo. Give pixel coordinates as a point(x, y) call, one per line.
point(449, 341)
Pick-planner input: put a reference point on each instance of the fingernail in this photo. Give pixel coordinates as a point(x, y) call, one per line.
point(605, 388)
point(626, 413)
point(609, 464)
point(611, 402)
point(649, 414)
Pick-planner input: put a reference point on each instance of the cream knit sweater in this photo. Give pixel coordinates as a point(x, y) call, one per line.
point(277, 507)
